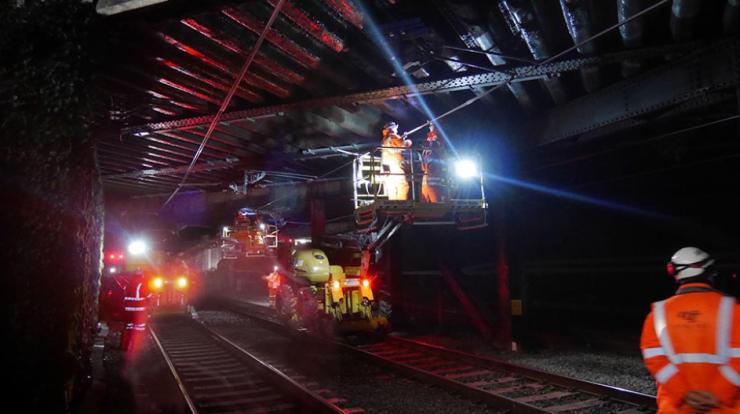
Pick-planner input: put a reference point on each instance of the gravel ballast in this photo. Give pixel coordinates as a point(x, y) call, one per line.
point(603, 367)
point(361, 384)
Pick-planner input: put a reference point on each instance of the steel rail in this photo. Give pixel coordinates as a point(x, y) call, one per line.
point(173, 371)
point(451, 377)
point(589, 386)
point(205, 364)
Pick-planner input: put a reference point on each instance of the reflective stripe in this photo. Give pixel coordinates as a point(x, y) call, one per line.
point(700, 359)
point(685, 358)
point(735, 353)
point(694, 289)
point(730, 374)
point(135, 326)
point(661, 331)
point(652, 352)
point(131, 298)
point(138, 288)
point(134, 308)
point(724, 327)
point(666, 373)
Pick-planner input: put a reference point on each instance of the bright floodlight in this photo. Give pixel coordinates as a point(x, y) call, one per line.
point(466, 168)
point(182, 282)
point(137, 247)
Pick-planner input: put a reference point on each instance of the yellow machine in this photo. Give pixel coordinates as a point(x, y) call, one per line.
point(322, 297)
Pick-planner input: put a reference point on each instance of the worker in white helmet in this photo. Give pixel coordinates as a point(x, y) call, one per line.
point(392, 161)
point(691, 341)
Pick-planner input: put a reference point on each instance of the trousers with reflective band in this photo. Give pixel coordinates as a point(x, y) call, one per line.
point(691, 342)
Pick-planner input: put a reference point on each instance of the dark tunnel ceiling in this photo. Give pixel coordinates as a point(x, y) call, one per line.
point(319, 80)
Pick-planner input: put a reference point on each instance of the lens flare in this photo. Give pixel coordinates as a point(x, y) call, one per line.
point(137, 247)
point(577, 197)
point(379, 39)
point(466, 168)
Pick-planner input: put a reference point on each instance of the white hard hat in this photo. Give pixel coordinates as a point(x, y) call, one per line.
point(689, 262)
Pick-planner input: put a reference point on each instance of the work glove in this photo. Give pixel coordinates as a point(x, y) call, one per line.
point(701, 401)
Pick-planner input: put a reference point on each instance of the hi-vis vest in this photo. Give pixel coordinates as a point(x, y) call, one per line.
point(690, 342)
point(135, 307)
point(393, 146)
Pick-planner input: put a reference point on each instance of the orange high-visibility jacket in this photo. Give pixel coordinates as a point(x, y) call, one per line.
point(691, 341)
point(389, 153)
point(135, 304)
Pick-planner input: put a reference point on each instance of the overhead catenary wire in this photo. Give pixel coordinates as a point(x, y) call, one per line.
point(229, 96)
point(543, 62)
point(505, 83)
point(319, 178)
point(488, 52)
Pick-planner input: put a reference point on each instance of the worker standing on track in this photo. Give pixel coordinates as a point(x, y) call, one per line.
point(135, 310)
point(691, 341)
point(273, 284)
point(394, 168)
point(432, 164)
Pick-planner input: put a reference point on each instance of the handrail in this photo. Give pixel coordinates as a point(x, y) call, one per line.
point(369, 184)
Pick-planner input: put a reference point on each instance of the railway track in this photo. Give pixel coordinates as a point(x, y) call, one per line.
point(217, 376)
point(498, 383)
point(502, 384)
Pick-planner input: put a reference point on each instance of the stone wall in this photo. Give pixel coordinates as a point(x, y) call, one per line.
point(51, 217)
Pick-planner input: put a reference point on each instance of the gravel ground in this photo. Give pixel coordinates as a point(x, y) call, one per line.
point(360, 384)
point(610, 368)
point(136, 381)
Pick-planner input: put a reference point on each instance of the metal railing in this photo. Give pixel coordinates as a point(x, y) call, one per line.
point(370, 179)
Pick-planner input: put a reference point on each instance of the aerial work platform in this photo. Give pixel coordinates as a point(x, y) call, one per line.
point(463, 204)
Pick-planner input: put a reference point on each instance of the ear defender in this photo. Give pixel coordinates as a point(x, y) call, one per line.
point(671, 269)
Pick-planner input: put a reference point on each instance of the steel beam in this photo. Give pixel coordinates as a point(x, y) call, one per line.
point(513, 73)
point(190, 147)
point(111, 7)
point(135, 152)
point(115, 154)
point(709, 69)
point(206, 166)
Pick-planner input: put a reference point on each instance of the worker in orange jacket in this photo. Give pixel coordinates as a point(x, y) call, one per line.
point(433, 156)
point(691, 341)
point(394, 167)
point(273, 284)
point(135, 310)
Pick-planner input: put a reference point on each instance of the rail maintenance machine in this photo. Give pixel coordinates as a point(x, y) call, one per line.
point(308, 290)
point(168, 278)
point(248, 250)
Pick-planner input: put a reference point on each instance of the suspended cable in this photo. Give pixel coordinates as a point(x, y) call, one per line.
point(496, 87)
point(544, 62)
point(317, 179)
point(227, 99)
